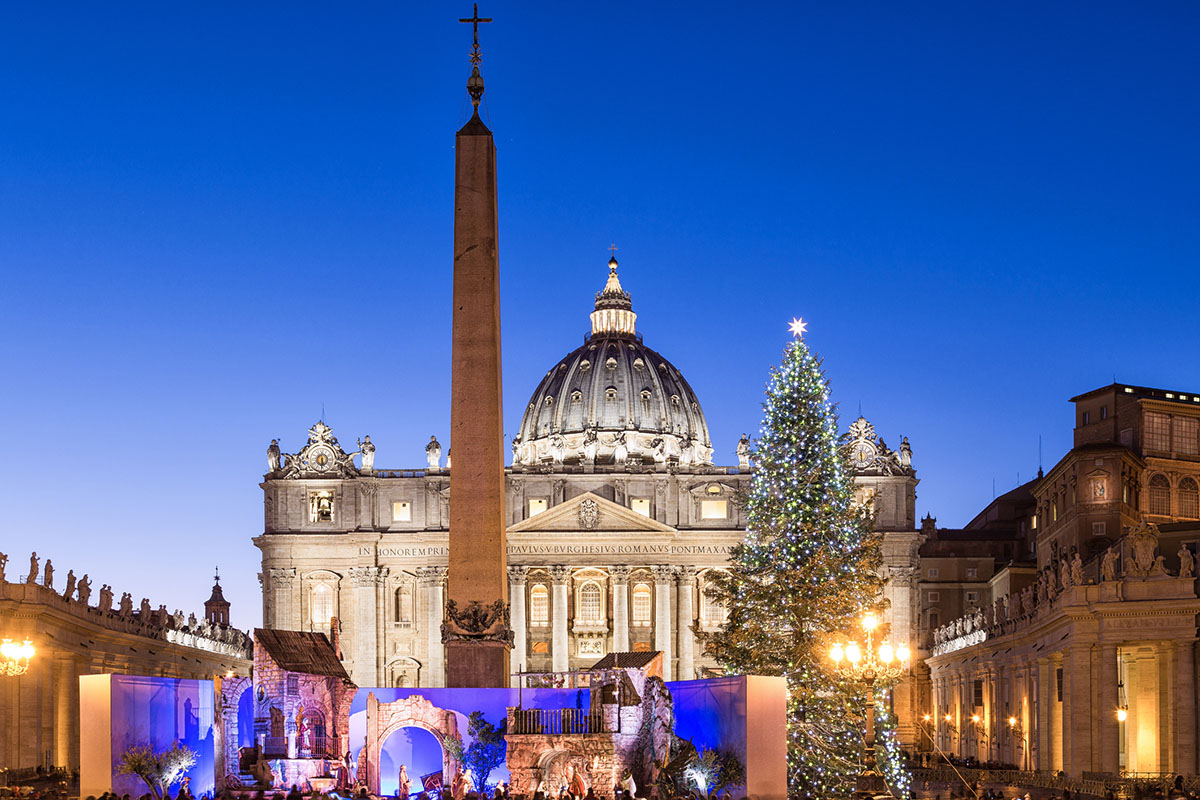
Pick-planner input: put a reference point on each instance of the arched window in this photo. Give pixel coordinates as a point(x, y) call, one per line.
point(1189, 499)
point(539, 605)
point(404, 611)
point(646, 403)
point(589, 602)
point(712, 611)
point(1160, 496)
point(641, 604)
point(321, 603)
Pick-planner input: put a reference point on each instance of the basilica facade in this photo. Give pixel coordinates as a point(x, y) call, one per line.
point(617, 519)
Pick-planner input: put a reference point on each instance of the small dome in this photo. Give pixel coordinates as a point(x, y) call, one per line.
point(613, 400)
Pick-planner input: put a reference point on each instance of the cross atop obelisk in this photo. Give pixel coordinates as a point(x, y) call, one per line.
point(476, 628)
point(475, 82)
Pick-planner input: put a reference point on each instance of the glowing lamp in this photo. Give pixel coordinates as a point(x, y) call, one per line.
point(1121, 714)
point(927, 718)
point(903, 653)
point(853, 654)
point(836, 653)
point(886, 654)
point(974, 718)
point(947, 718)
point(1012, 722)
point(15, 657)
point(870, 622)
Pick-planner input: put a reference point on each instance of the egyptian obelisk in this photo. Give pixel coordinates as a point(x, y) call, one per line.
point(476, 630)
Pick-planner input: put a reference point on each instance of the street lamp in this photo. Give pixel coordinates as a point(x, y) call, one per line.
point(981, 734)
point(14, 658)
point(868, 665)
point(1017, 730)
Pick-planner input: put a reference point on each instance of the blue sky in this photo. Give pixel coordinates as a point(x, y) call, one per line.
point(217, 220)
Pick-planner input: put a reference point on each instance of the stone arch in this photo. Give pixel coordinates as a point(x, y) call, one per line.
point(232, 690)
point(414, 711)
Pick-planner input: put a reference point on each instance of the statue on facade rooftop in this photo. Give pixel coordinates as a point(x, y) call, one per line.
point(1064, 572)
point(144, 610)
point(1077, 570)
point(905, 453)
point(620, 448)
point(1187, 562)
point(48, 575)
point(368, 453)
point(3, 564)
point(1108, 565)
point(273, 463)
point(433, 453)
point(70, 590)
point(105, 599)
point(591, 443)
point(743, 452)
point(126, 605)
point(33, 568)
point(84, 589)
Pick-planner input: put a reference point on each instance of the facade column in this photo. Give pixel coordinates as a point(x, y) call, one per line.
point(433, 604)
point(620, 596)
point(1106, 702)
point(518, 619)
point(1045, 705)
point(366, 581)
point(1076, 712)
point(560, 657)
point(285, 610)
point(1183, 707)
point(686, 638)
point(664, 578)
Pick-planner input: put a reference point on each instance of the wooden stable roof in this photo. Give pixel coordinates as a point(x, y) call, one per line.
point(301, 651)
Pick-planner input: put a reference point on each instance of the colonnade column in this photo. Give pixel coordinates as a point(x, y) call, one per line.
point(1184, 707)
point(664, 578)
point(686, 638)
point(1107, 702)
point(1076, 712)
point(1045, 704)
point(560, 661)
point(620, 596)
point(432, 602)
point(517, 618)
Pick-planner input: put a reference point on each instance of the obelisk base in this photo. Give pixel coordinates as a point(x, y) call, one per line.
point(477, 664)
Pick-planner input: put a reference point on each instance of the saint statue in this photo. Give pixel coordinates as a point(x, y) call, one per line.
point(591, 442)
point(743, 452)
point(576, 789)
point(1064, 572)
point(48, 578)
point(558, 448)
point(1108, 566)
point(905, 453)
point(144, 610)
point(1187, 562)
point(620, 448)
point(3, 564)
point(273, 456)
point(33, 568)
point(433, 453)
point(368, 453)
point(405, 787)
point(449, 450)
point(516, 451)
point(126, 605)
point(85, 589)
point(1077, 570)
point(70, 590)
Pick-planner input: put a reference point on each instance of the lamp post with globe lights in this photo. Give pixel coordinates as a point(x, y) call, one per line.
point(870, 665)
point(14, 658)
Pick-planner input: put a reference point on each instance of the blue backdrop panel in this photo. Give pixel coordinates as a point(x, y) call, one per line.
point(159, 712)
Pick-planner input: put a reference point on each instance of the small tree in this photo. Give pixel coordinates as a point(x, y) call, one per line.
point(486, 751)
point(159, 771)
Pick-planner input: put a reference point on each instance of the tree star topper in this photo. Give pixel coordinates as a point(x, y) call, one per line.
point(798, 327)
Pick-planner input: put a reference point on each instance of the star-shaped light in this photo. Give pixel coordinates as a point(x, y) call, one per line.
point(798, 327)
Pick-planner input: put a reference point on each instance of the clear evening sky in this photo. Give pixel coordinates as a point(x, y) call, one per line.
point(218, 219)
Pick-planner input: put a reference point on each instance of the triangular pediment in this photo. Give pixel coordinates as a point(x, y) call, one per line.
point(577, 513)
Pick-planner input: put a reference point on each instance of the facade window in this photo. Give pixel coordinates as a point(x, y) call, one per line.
point(1186, 443)
point(712, 612)
point(933, 597)
point(293, 685)
point(1189, 499)
point(972, 572)
point(539, 605)
point(1158, 431)
point(977, 693)
point(1099, 528)
point(641, 605)
point(536, 506)
point(932, 572)
point(935, 619)
point(589, 602)
point(404, 610)
point(645, 403)
point(321, 602)
point(320, 506)
point(401, 511)
point(641, 505)
point(1103, 412)
point(972, 597)
point(713, 509)
point(610, 394)
point(1160, 496)
point(1087, 418)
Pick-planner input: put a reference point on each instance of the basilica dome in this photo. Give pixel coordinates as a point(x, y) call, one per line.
point(613, 400)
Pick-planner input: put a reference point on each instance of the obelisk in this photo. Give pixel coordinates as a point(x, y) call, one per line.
point(476, 630)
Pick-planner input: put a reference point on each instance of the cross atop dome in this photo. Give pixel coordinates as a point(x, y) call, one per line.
point(614, 307)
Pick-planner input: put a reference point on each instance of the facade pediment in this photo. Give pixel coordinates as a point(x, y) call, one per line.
point(589, 513)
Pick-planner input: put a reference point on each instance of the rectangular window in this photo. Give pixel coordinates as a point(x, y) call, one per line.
point(641, 604)
point(1157, 432)
point(713, 509)
point(401, 511)
point(539, 605)
point(932, 572)
point(320, 506)
point(1098, 528)
point(536, 506)
point(1058, 682)
point(1103, 412)
point(933, 597)
point(293, 684)
point(1087, 418)
point(641, 505)
point(1185, 436)
point(977, 693)
point(972, 572)
point(972, 597)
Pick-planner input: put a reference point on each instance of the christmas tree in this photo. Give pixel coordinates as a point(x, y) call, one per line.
point(808, 569)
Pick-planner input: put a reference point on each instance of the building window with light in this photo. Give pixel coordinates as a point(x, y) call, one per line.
point(320, 506)
point(539, 605)
point(401, 511)
point(641, 605)
point(712, 611)
point(1160, 496)
point(590, 606)
point(1189, 499)
point(641, 505)
point(1186, 430)
point(536, 506)
point(1157, 431)
point(321, 605)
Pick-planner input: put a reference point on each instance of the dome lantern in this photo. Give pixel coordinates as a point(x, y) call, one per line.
point(614, 309)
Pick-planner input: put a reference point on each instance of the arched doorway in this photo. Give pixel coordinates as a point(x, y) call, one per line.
point(414, 711)
point(419, 751)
